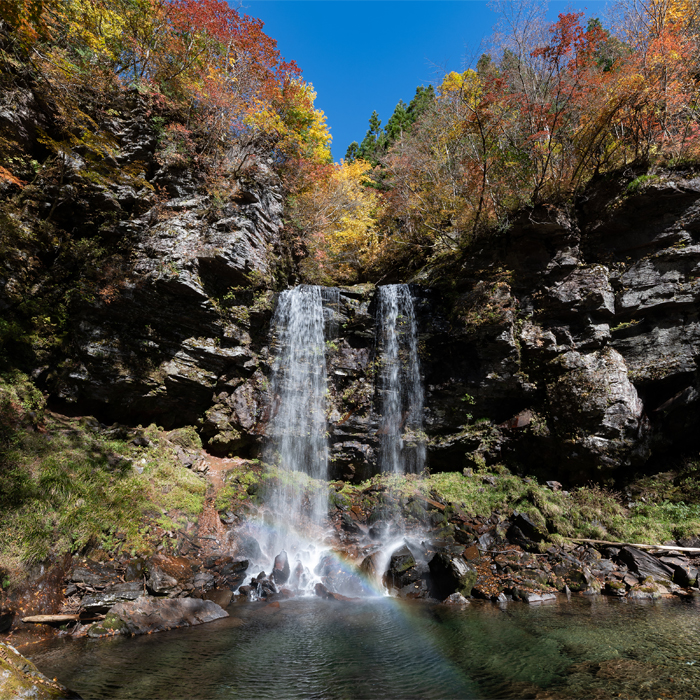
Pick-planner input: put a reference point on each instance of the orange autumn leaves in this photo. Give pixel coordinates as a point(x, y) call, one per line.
point(532, 124)
point(337, 213)
point(201, 60)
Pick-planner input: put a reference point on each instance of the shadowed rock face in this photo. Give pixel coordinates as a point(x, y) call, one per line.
point(558, 362)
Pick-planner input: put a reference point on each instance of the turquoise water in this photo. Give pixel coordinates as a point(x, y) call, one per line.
point(381, 648)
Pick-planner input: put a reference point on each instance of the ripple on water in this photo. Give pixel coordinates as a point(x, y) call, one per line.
point(307, 648)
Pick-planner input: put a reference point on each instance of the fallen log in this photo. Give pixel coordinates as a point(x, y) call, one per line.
point(663, 547)
point(51, 619)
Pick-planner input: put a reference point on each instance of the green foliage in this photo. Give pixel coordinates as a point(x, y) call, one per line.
point(67, 487)
point(587, 512)
point(377, 141)
point(639, 183)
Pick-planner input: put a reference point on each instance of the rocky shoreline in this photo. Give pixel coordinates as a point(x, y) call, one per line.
point(452, 557)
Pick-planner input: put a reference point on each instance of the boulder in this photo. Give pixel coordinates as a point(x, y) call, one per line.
point(645, 565)
point(455, 599)
point(93, 574)
point(450, 574)
point(159, 583)
point(221, 596)
point(523, 530)
point(280, 568)
point(145, 615)
point(322, 592)
point(20, 678)
point(617, 589)
point(136, 569)
point(647, 590)
point(102, 601)
point(684, 573)
point(536, 597)
point(405, 575)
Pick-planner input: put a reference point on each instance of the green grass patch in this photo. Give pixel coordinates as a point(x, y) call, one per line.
point(66, 486)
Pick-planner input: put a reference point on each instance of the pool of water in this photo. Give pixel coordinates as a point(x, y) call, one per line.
point(382, 648)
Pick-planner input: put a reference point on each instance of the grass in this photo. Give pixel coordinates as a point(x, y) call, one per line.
point(588, 512)
point(70, 485)
point(66, 486)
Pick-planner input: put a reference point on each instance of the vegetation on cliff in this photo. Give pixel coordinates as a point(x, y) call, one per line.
point(541, 114)
point(109, 109)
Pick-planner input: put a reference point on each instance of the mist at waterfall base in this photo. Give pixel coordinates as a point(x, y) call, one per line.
point(296, 546)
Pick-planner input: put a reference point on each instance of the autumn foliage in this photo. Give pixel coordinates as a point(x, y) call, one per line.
point(212, 69)
point(535, 121)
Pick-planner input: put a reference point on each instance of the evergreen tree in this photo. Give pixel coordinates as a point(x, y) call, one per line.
point(377, 141)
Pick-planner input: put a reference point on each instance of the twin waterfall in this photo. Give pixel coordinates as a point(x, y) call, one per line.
point(297, 438)
point(297, 433)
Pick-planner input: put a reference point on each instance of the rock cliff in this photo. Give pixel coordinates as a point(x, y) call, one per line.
point(566, 346)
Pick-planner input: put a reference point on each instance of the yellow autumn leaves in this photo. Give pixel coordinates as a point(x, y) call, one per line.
point(338, 216)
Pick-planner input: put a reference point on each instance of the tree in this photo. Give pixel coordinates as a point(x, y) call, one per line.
point(336, 216)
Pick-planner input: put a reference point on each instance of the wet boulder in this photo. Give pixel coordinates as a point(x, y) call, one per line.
point(280, 568)
point(456, 599)
point(649, 589)
point(248, 547)
point(322, 592)
point(575, 574)
point(450, 574)
point(263, 587)
point(299, 576)
point(536, 597)
point(614, 588)
point(368, 567)
point(645, 565)
point(406, 576)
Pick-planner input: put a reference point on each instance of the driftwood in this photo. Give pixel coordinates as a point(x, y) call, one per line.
point(51, 619)
point(664, 547)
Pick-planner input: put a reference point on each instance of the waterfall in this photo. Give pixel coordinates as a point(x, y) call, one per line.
point(401, 442)
point(297, 432)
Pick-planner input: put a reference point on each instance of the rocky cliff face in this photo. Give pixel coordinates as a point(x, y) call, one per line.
point(582, 348)
point(566, 347)
point(135, 282)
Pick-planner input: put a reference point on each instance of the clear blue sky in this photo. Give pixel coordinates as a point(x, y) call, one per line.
point(363, 55)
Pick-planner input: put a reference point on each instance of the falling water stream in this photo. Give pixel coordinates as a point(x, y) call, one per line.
point(402, 449)
point(293, 528)
point(291, 531)
point(297, 433)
